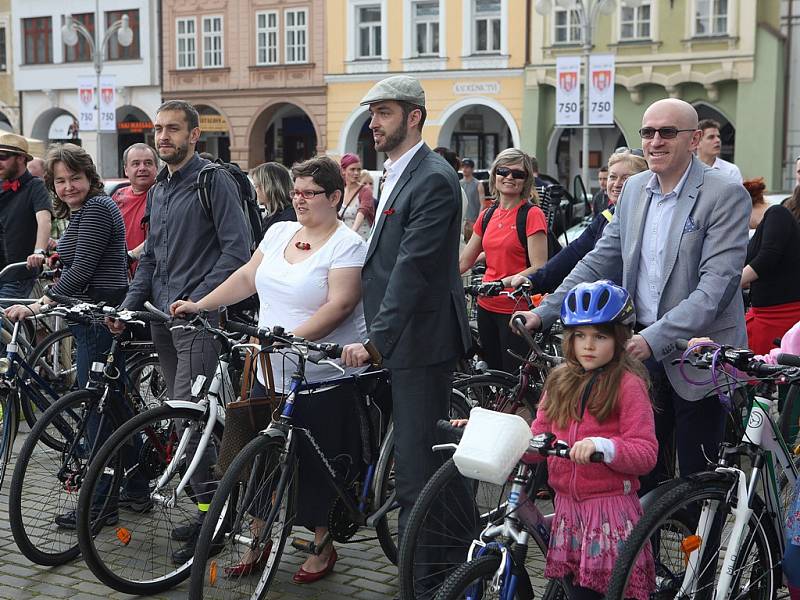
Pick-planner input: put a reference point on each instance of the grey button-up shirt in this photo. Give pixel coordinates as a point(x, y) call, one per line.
point(186, 255)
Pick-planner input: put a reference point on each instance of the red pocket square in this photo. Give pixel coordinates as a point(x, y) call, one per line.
point(388, 211)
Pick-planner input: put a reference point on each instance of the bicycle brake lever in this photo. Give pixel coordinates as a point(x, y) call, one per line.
point(440, 447)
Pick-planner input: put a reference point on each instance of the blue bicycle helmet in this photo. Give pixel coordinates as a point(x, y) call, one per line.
point(597, 303)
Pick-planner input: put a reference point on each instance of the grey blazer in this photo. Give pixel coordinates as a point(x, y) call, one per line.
point(702, 268)
point(412, 292)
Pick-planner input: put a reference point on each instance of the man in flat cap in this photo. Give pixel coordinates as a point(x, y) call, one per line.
point(24, 216)
point(412, 292)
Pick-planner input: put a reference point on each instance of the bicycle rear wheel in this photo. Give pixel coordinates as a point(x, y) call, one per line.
point(259, 492)
point(670, 527)
point(46, 482)
point(497, 391)
point(136, 556)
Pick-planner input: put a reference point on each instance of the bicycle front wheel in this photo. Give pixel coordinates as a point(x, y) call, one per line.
point(136, 556)
point(238, 551)
point(670, 526)
point(54, 359)
point(9, 423)
point(474, 580)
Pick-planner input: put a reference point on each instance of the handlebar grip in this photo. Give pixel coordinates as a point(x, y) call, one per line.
point(143, 315)
point(681, 344)
point(250, 330)
point(333, 351)
point(445, 425)
point(519, 324)
point(597, 457)
point(159, 314)
point(790, 360)
point(67, 300)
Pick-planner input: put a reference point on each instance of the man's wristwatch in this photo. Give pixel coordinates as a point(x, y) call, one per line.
point(39, 251)
point(374, 353)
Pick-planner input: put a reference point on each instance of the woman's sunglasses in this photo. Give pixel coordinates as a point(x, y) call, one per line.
point(634, 151)
point(515, 173)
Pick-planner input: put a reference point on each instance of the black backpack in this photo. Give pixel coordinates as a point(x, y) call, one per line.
point(247, 197)
point(553, 245)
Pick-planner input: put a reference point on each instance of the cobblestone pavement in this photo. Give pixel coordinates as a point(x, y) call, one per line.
point(361, 573)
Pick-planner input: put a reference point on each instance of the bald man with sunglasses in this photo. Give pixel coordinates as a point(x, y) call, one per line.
point(680, 236)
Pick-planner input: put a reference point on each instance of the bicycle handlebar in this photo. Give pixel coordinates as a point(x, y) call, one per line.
point(65, 300)
point(157, 313)
point(790, 360)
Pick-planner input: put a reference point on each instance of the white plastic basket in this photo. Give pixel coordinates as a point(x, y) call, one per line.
point(492, 445)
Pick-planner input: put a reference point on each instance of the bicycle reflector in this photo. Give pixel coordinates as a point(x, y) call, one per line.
point(688, 545)
point(212, 573)
point(124, 536)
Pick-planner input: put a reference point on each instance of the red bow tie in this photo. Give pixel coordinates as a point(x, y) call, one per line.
point(12, 185)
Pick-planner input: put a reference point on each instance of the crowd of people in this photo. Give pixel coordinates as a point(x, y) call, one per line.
point(377, 269)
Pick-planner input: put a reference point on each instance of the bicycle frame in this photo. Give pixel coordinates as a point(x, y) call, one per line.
point(763, 437)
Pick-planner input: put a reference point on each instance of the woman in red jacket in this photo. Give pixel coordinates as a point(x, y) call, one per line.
point(598, 402)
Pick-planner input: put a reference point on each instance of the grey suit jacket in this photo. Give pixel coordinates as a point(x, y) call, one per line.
point(702, 267)
point(412, 292)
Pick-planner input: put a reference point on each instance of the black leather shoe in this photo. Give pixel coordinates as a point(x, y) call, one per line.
point(69, 520)
point(186, 532)
point(186, 552)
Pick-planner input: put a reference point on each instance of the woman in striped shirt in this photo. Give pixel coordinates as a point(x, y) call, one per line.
point(92, 248)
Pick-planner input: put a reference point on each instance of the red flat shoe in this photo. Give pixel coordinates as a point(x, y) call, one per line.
point(245, 569)
point(303, 576)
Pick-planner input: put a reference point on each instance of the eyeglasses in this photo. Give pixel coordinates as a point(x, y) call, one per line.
point(7, 156)
point(666, 133)
point(626, 150)
point(307, 194)
point(515, 173)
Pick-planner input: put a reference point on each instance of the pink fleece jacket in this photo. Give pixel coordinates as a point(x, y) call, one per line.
point(632, 430)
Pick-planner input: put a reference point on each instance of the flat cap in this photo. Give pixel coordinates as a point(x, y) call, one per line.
point(400, 88)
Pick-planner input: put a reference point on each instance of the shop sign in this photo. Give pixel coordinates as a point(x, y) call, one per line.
point(134, 126)
point(464, 88)
point(216, 123)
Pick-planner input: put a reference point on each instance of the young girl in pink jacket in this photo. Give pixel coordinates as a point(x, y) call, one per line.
point(597, 401)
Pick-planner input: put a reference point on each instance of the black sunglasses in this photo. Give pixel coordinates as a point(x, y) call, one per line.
point(666, 133)
point(515, 173)
point(634, 151)
point(7, 156)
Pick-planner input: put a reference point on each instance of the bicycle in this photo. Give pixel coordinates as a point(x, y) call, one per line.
point(713, 534)
point(51, 464)
point(496, 564)
point(439, 522)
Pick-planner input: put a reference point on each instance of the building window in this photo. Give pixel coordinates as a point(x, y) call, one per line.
point(567, 26)
point(186, 43)
point(212, 42)
point(487, 26)
point(295, 23)
point(634, 22)
point(426, 28)
point(3, 52)
point(115, 50)
point(711, 17)
point(267, 38)
point(369, 31)
point(81, 52)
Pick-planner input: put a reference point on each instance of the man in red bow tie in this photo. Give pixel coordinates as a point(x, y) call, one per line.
point(24, 217)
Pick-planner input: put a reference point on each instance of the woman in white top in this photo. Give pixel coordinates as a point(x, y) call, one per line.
point(308, 278)
point(358, 206)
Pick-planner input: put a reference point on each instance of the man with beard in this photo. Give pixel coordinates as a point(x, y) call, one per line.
point(412, 292)
point(24, 215)
point(141, 167)
point(185, 257)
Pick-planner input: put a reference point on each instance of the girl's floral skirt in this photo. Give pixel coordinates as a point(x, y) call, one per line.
point(586, 538)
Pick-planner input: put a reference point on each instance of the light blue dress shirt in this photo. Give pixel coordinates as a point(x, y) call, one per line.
point(660, 208)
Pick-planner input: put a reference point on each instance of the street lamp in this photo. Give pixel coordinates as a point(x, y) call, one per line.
point(589, 12)
point(70, 32)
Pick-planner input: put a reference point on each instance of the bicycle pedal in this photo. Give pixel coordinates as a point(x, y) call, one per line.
point(303, 545)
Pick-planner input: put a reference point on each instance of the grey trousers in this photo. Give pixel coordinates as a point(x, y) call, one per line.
point(183, 355)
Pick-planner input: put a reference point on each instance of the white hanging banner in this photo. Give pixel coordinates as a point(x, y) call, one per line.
point(601, 89)
point(87, 111)
point(108, 101)
point(568, 90)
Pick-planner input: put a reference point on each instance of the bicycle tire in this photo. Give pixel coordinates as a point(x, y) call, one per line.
point(61, 375)
point(475, 576)
point(679, 504)
point(9, 424)
point(47, 481)
point(146, 384)
point(495, 391)
point(119, 557)
point(261, 480)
